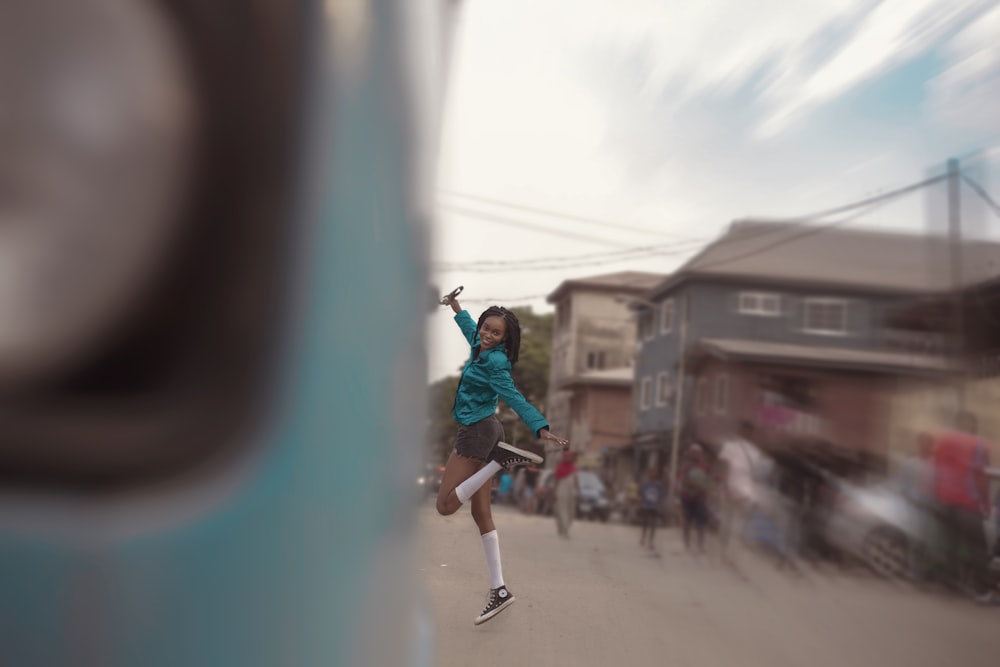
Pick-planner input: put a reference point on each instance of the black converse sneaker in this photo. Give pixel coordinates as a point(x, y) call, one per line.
point(510, 456)
point(497, 600)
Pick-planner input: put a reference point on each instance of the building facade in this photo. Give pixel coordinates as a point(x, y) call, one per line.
point(791, 328)
point(593, 351)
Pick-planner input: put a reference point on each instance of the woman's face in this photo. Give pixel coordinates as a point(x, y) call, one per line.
point(492, 333)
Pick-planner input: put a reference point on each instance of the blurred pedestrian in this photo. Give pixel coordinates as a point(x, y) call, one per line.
point(737, 493)
point(631, 500)
point(961, 490)
point(917, 482)
point(567, 486)
point(504, 489)
point(651, 492)
point(695, 484)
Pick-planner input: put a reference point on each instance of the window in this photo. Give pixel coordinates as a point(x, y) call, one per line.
point(760, 303)
point(667, 316)
point(701, 396)
point(644, 393)
point(646, 324)
point(825, 316)
point(721, 394)
point(663, 391)
point(595, 359)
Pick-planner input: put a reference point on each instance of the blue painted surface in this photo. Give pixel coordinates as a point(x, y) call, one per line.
point(268, 561)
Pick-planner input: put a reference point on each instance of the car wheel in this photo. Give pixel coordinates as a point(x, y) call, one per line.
point(887, 553)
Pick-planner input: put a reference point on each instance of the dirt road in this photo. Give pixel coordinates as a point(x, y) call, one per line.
point(598, 599)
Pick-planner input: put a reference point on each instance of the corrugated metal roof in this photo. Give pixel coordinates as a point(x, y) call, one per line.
point(850, 258)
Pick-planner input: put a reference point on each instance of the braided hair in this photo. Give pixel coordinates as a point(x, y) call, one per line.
point(512, 340)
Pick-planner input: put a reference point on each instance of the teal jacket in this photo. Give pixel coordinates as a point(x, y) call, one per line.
point(487, 378)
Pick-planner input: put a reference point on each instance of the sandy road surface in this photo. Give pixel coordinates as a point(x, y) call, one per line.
point(598, 599)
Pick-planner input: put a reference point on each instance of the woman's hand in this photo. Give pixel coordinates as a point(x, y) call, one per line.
point(547, 435)
point(452, 299)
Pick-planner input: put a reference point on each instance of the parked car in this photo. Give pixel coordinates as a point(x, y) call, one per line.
point(877, 526)
point(880, 527)
point(592, 500)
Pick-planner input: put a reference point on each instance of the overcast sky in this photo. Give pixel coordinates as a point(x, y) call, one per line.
point(671, 119)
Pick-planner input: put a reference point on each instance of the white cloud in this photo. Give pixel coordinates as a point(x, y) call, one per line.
point(894, 32)
point(968, 92)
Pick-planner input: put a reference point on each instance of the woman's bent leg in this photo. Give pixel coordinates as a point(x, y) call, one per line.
point(458, 469)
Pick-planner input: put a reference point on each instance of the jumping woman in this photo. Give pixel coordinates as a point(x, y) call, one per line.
point(479, 451)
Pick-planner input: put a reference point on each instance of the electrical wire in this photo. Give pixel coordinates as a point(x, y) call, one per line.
point(517, 299)
point(557, 214)
point(892, 194)
point(542, 265)
point(520, 224)
point(870, 204)
point(979, 190)
point(641, 252)
point(575, 261)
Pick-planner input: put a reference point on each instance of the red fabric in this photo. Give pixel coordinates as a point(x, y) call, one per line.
point(957, 458)
point(566, 467)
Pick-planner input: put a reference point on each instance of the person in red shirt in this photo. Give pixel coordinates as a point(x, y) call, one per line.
point(961, 489)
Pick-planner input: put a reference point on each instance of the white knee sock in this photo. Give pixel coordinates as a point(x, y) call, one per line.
point(468, 488)
point(491, 545)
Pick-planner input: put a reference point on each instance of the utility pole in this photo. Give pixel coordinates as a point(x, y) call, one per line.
point(678, 404)
point(956, 257)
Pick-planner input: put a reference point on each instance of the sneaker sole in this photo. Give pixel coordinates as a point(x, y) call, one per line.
point(531, 456)
point(479, 620)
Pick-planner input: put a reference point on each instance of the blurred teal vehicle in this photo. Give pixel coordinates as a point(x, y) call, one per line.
point(214, 234)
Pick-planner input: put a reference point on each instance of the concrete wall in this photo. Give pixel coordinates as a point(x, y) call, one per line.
point(602, 417)
point(596, 322)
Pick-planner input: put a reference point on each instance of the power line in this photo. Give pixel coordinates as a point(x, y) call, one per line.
point(871, 204)
point(866, 206)
point(979, 190)
point(530, 297)
point(542, 264)
point(564, 265)
point(640, 252)
point(558, 214)
point(511, 222)
point(893, 194)
point(636, 252)
point(569, 258)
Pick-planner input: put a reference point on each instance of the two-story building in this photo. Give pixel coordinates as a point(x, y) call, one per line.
point(792, 328)
point(591, 374)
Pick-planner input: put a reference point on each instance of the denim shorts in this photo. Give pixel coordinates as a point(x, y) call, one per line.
point(476, 441)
